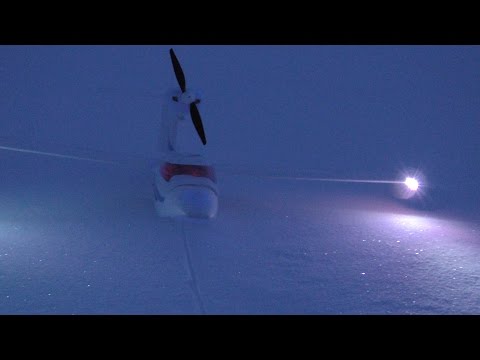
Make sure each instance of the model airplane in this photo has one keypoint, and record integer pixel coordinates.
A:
(185, 183)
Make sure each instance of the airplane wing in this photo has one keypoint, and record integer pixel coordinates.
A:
(142, 161)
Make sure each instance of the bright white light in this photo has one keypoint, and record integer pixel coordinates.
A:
(411, 183)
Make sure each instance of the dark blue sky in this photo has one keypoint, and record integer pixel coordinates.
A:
(353, 111)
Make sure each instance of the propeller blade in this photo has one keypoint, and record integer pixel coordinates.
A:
(178, 71)
(197, 122)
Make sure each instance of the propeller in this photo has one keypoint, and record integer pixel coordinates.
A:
(194, 113)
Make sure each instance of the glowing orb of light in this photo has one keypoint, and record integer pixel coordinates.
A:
(411, 183)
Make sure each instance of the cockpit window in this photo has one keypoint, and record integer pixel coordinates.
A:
(169, 170)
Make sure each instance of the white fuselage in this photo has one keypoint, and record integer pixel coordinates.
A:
(182, 194)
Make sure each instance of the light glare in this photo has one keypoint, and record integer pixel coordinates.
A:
(411, 183)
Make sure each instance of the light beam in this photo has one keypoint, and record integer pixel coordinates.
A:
(54, 155)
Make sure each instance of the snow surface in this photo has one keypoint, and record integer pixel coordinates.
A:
(89, 242)
(80, 237)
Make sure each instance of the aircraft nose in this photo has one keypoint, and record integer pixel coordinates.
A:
(198, 202)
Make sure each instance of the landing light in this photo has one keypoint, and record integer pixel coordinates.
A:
(411, 183)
